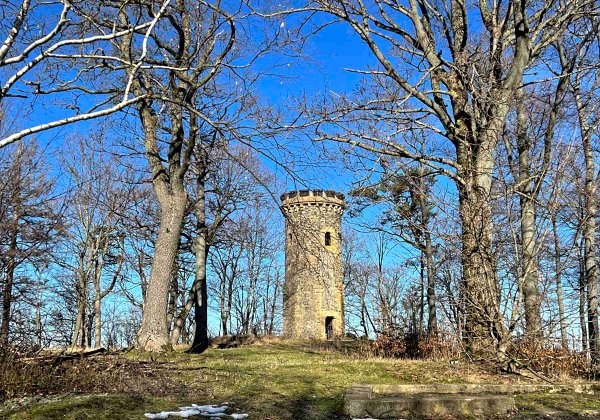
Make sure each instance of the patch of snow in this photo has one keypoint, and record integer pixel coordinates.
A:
(167, 414)
(211, 411)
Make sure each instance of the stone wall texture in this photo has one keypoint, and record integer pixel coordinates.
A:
(313, 294)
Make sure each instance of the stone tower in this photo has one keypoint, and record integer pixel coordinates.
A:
(313, 294)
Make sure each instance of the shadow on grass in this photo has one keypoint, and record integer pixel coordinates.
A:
(83, 407)
(311, 404)
(558, 406)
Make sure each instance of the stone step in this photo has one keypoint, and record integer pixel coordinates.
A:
(401, 389)
(430, 405)
(445, 400)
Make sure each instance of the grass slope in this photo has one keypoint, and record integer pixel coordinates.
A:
(271, 380)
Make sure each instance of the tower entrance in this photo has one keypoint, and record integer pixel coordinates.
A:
(329, 327)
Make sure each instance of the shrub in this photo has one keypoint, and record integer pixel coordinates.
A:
(413, 345)
(56, 374)
(550, 360)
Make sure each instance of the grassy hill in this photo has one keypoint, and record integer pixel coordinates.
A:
(271, 379)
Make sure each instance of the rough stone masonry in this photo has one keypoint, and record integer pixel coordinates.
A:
(313, 294)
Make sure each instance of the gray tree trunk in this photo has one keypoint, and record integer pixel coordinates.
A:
(98, 266)
(529, 266)
(97, 317)
(200, 341)
(589, 238)
(8, 284)
(559, 289)
(432, 328)
(78, 339)
(484, 331)
(582, 305)
(153, 334)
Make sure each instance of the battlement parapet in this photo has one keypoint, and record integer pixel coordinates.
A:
(312, 197)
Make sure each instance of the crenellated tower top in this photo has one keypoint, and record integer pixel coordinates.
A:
(325, 198)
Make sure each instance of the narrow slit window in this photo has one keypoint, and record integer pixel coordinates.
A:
(327, 238)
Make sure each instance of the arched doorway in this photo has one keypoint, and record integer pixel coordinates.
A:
(329, 327)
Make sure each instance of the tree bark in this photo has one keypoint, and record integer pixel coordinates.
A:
(153, 334)
(582, 305)
(200, 342)
(432, 328)
(224, 313)
(99, 254)
(10, 276)
(529, 267)
(97, 317)
(559, 289)
(485, 332)
(78, 338)
(179, 324)
(589, 238)
(172, 307)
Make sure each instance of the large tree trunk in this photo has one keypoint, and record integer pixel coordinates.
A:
(200, 342)
(153, 334)
(485, 332)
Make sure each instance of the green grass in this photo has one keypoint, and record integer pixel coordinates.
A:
(92, 407)
(272, 380)
(569, 406)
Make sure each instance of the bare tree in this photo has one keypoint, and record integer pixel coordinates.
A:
(221, 187)
(197, 39)
(245, 260)
(96, 241)
(39, 37)
(437, 70)
(408, 217)
(584, 86)
(30, 220)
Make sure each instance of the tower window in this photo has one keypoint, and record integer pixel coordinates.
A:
(327, 238)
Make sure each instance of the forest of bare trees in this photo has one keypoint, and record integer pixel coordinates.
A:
(143, 148)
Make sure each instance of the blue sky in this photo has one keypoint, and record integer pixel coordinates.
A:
(329, 53)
